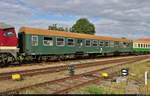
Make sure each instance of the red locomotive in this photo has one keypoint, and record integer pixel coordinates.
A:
(8, 43)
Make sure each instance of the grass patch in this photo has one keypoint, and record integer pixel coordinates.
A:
(94, 89)
(138, 70)
(28, 92)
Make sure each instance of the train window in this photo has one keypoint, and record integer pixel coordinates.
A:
(106, 43)
(48, 41)
(144, 45)
(8, 34)
(116, 43)
(34, 40)
(70, 42)
(135, 45)
(121, 44)
(124, 44)
(60, 42)
(87, 43)
(111, 43)
(101, 43)
(95, 43)
(128, 45)
(138, 45)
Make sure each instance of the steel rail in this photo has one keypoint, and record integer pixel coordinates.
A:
(68, 78)
(7, 75)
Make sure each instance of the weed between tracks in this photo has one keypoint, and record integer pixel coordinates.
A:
(113, 88)
(135, 71)
(94, 89)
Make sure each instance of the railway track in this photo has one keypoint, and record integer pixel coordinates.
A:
(66, 84)
(7, 75)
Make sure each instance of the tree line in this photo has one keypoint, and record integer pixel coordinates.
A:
(81, 26)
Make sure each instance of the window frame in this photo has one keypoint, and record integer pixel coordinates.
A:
(93, 43)
(139, 45)
(63, 41)
(73, 42)
(85, 43)
(48, 45)
(108, 43)
(113, 43)
(37, 40)
(5, 33)
(102, 43)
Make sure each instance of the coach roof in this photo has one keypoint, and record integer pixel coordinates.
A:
(139, 41)
(5, 26)
(38, 31)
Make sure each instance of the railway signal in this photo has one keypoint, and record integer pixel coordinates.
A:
(71, 70)
(124, 72)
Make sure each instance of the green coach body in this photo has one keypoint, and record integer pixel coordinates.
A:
(44, 42)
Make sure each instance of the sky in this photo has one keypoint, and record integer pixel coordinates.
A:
(115, 18)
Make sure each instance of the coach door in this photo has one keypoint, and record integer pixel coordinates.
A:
(79, 44)
(101, 45)
(34, 44)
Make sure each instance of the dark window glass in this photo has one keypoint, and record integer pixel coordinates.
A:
(88, 43)
(101, 43)
(138, 45)
(60, 42)
(146, 46)
(95, 43)
(141, 45)
(34, 40)
(70, 42)
(106, 43)
(48, 41)
(8, 34)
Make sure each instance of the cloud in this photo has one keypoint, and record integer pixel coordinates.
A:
(42, 23)
(118, 18)
(12, 10)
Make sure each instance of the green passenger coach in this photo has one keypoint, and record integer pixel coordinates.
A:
(41, 42)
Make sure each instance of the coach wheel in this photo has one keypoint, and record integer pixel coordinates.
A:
(4, 60)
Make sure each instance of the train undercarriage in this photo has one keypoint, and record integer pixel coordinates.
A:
(7, 58)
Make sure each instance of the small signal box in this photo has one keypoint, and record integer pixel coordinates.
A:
(16, 77)
(124, 72)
